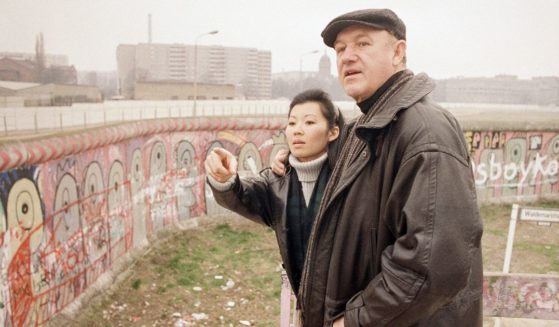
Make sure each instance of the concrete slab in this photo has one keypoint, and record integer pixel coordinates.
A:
(519, 322)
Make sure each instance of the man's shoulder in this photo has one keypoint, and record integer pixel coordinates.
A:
(430, 113)
(426, 122)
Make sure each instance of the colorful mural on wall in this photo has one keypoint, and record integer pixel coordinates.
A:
(66, 220)
(514, 164)
(526, 296)
(71, 206)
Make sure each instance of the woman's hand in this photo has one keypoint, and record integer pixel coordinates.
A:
(221, 165)
(278, 165)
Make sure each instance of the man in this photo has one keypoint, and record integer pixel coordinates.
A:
(397, 238)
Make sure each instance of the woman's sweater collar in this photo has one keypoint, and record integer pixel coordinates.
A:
(308, 171)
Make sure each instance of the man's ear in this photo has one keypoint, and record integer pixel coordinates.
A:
(400, 47)
(333, 133)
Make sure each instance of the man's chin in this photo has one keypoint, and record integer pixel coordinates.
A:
(353, 93)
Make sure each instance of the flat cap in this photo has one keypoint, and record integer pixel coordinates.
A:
(384, 19)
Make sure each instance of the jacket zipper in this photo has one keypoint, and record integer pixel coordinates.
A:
(303, 285)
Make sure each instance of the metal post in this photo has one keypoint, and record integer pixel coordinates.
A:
(35, 122)
(195, 75)
(84, 119)
(105, 117)
(301, 68)
(510, 238)
(5, 126)
(196, 66)
(60, 116)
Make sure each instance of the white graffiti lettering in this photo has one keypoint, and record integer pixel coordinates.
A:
(523, 172)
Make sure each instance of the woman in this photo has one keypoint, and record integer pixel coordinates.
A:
(288, 203)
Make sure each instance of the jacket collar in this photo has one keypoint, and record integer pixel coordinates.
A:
(417, 88)
(368, 103)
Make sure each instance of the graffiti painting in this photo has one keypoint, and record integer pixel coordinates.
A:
(511, 164)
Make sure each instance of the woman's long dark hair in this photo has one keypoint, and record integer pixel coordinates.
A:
(329, 110)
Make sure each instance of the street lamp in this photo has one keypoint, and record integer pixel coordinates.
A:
(196, 66)
(301, 67)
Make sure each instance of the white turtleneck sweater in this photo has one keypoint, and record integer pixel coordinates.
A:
(308, 172)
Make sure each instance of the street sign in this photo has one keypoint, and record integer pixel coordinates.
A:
(540, 215)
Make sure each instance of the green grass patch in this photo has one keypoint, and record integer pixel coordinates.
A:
(550, 252)
(247, 254)
(231, 237)
(136, 283)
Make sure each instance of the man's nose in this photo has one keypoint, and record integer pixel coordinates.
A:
(347, 55)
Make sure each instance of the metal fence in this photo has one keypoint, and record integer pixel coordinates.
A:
(17, 120)
(83, 115)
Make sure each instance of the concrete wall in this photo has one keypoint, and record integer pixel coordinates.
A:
(510, 165)
(521, 295)
(72, 206)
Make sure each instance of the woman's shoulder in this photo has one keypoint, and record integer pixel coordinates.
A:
(273, 177)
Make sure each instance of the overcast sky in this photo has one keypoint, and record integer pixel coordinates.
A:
(445, 38)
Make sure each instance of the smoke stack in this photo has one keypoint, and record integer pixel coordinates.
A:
(149, 28)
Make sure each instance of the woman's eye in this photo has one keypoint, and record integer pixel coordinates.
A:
(291, 123)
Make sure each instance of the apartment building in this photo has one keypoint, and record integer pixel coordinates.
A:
(248, 69)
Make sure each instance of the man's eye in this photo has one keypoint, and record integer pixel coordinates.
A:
(291, 123)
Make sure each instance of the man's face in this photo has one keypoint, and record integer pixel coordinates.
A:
(365, 58)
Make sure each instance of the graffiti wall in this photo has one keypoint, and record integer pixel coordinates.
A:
(71, 206)
(64, 222)
(511, 165)
(526, 296)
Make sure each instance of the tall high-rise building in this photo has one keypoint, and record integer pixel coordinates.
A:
(248, 69)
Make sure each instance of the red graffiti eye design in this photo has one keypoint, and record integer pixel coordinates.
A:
(24, 209)
(65, 197)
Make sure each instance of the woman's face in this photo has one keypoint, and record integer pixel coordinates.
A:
(307, 131)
